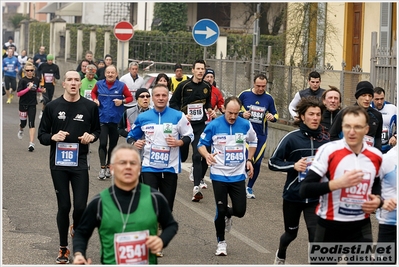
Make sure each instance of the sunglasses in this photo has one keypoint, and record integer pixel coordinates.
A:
(144, 96)
(29, 70)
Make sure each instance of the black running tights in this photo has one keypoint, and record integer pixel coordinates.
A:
(107, 130)
(79, 180)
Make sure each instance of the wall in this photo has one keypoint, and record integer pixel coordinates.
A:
(276, 132)
(34, 8)
(371, 23)
(336, 18)
(237, 18)
(93, 10)
(334, 49)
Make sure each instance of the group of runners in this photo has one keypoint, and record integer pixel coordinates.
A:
(228, 136)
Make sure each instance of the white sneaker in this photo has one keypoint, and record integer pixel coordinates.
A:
(31, 147)
(228, 223)
(278, 261)
(107, 172)
(250, 193)
(20, 134)
(221, 249)
(191, 176)
(41, 115)
(101, 174)
(197, 195)
(203, 185)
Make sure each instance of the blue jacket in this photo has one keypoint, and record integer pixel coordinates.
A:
(12, 64)
(109, 113)
(292, 147)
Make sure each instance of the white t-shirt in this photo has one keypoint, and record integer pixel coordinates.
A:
(133, 86)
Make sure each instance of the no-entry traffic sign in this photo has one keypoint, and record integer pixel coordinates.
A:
(123, 31)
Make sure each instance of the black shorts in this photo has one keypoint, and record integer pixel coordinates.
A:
(10, 83)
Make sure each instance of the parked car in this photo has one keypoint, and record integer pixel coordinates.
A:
(149, 79)
(149, 83)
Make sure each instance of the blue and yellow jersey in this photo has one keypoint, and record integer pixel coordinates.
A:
(259, 106)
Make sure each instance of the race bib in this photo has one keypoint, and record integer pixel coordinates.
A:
(66, 154)
(23, 115)
(48, 78)
(10, 67)
(239, 137)
(233, 155)
(309, 161)
(384, 135)
(159, 156)
(88, 94)
(130, 248)
(196, 111)
(353, 197)
(257, 114)
(208, 117)
(167, 128)
(369, 140)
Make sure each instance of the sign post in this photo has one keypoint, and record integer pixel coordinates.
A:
(205, 33)
(123, 31)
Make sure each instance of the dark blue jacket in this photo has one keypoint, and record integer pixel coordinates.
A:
(291, 148)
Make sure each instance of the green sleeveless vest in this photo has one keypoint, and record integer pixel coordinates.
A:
(143, 218)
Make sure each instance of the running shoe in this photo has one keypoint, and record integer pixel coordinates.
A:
(203, 185)
(159, 254)
(250, 193)
(197, 195)
(71, 231)
(107, 172)
(228, 223)
(20, 134)
(101, 174)
(9, 100)
(63, 256)
(41, 115)
(278, 261)
(11, 96)
(221, 249)
(191, 176)
(31, 147)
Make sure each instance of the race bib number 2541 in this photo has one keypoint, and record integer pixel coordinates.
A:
(130, 248)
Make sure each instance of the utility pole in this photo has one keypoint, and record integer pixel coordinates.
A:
(255, 42)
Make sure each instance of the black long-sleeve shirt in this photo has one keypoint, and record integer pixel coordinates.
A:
(76, 118)
(92, 216)
(51, 69)
(190, 92)
(375, 127)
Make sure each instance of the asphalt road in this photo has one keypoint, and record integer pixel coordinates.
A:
(30, 235)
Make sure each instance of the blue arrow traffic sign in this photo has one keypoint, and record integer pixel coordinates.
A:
(205, 32)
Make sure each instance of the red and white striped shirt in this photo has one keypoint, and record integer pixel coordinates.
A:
(332, 160)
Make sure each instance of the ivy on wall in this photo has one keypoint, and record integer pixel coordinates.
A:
(159, 46)
(38, 36)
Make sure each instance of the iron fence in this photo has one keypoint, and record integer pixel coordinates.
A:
(233, 76)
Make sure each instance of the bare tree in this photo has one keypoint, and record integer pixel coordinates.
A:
(308, 32)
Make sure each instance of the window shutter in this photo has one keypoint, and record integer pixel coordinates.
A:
(385, 25)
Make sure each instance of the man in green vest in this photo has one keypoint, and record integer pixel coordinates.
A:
(89, 81)
(126, 215)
